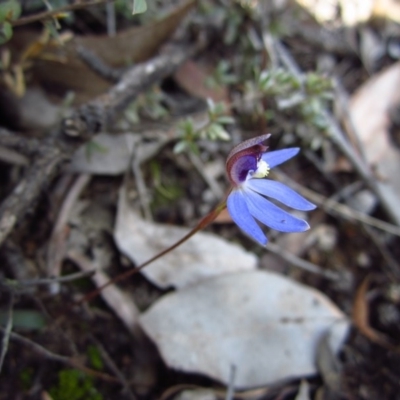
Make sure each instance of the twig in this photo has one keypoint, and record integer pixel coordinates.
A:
(7, 331)
(52, 13)
(99, 66)
(98, 114)
(12, 157)
(27, 146)
(342, 99)
(303, 264)
(211, 182)
(62, 359)
(30, 188)
(57, 243)
(48, 281)
(334, 208)
(113, 367)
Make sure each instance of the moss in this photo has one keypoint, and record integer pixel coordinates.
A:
(74, 385)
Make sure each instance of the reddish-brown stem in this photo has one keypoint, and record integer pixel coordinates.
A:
(203, 223)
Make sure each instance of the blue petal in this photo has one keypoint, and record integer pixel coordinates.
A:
(240, 214)
(274, 158)
(273, 216)
(280, 192)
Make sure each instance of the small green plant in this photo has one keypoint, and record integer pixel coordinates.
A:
(222, 75)
(149, 105)
(213, 129)
(94, 357)
(167, 190)
(9, 11)
(307, 97)
(74, 385)
(26, 377)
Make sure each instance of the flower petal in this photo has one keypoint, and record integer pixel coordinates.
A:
(273, 216)
(274, 158)
(240, 214)
(280, 192)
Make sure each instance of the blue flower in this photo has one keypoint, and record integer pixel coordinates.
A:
(247, 166)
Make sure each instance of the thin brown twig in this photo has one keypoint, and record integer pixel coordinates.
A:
(52, 13)
(300, 263)
(113, 367)
(335, 208)
(47, 281)
(57, 243)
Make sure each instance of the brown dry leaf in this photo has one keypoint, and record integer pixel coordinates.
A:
(64, 71)
(361, 316)
(192, 77)
(369, 109)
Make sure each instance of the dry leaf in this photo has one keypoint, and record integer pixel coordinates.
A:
(60, 69)
(369, 110)
(264, 324)
(361, 316)
(193, 78)
(202, 256)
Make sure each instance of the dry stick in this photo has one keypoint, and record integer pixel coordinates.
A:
(27, 146)
(62, 359)
(57, 243)
(12, 157)
(300, 263)
(14, 284)
(52, 13)
(29, 189)
(337, 136)
(334, 208)
(211, 182)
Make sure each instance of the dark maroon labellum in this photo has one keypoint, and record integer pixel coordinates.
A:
(244, 157)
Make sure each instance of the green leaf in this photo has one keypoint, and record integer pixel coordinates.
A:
(216, 131)
(9, 10)
(25, 319)
(139, 7)
(94, 356)
(5, 32)
(180, 147)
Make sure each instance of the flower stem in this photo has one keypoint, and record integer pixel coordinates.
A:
(203, 223)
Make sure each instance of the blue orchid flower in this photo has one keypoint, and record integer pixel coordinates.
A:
(248, 165)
